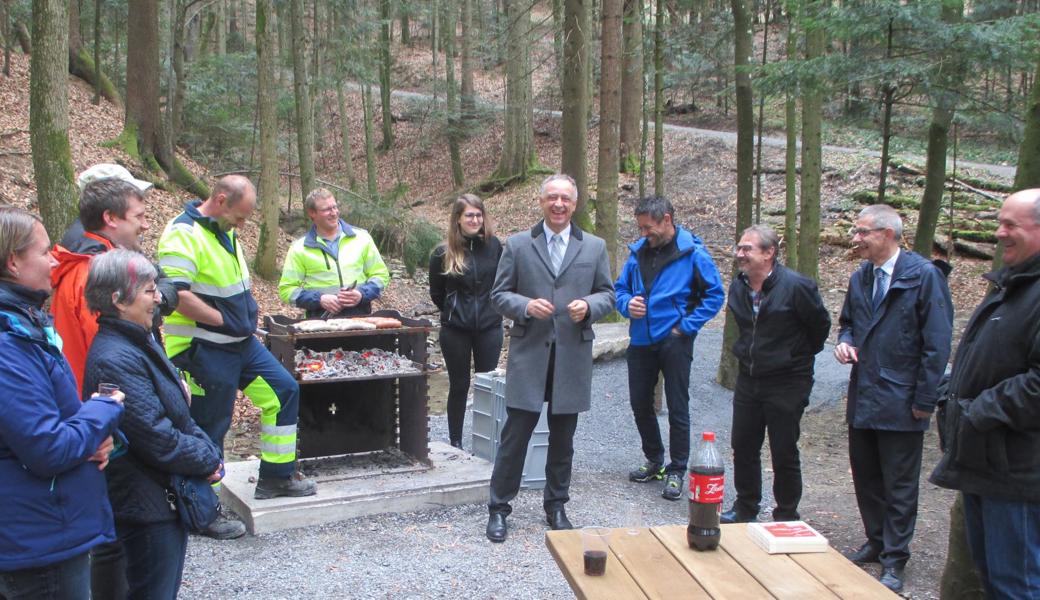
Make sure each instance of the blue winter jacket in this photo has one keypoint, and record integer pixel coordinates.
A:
(902, 348)
(686, 293)
(163, 439)
(53, 501)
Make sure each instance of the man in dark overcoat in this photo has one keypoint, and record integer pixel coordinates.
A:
(896, 326)
(554, 282)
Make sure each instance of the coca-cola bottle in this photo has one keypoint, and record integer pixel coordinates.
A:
(707, 484)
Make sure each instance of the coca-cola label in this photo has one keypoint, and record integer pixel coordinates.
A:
(707, 489)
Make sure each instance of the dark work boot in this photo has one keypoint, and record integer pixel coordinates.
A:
(294, 486)
(224, 527)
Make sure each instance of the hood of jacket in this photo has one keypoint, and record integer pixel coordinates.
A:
(70, 258)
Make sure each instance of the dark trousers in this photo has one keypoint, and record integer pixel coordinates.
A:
(886, 469)
(223, 370)
(108, 571)
(154, 558)
(65, 580)
(774, 405)
(671, 357)
(509, 462)
(458, 346)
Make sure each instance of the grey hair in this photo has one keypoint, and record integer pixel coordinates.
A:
(655, 206)
(116, 276)
(559, 177)
(315, 195)
(16, 234)
(885, 217)
(767, 238)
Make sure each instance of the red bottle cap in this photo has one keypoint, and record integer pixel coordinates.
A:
(709, 436)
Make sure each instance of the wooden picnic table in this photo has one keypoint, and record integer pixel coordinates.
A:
(657, 563)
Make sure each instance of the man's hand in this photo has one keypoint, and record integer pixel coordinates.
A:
(349, 298)
(216, 476)
(845, 353)
(100, 455)
(577, 309)
(331, 303)
(637, 307)
(920, 415)
(540, 309)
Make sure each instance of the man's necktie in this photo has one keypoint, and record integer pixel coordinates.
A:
(556, 252)
(879, 293)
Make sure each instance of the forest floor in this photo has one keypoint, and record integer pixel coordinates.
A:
(699, 179)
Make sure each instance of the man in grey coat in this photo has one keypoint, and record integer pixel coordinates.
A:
(553, 282)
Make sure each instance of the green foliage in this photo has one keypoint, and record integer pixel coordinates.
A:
(397, 232)
(219, 109)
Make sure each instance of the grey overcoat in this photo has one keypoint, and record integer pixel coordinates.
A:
(524, 273)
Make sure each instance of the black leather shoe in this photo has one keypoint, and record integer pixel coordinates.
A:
(779, 515)
(892, 578)
(865, 554)
(736, 516)
(456, 444)
(557, 519)
(496, 528)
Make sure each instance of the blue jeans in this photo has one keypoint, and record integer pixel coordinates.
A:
(671, 357)
(65, 580)
(1004, 539)
(154, 558)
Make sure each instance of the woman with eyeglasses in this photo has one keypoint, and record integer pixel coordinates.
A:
(162, 437)
(52, 446)
(462, 273)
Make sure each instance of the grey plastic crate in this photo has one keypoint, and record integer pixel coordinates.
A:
(489, 416)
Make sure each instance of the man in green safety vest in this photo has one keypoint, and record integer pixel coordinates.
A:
(210, 337)
(334, 270)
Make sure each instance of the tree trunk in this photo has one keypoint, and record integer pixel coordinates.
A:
(49, 117)
(468, 97)
(143, 119)
(742, 52)
(1028, 173)
(609, 128)
(934, 181)
(220, 28)
(5, 22)
(812, 153)
(96, 100)
(558, 36)
(266, 63)
(761, 117)
(370, 147)
(887, 100)
(384, 74)
(301, 89)
(632, 87)
(659, 100)
(573, 125)
(452, 94)
(406, 25)
(518, 155)
(791, 152)
(344, 127)
(81, 61)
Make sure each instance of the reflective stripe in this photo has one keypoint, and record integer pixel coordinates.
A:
(219, 291)
(185, 227)
(326, 290)
(277, 430)
(292, 274)
(266, 447)
(295, 295)
(178, 262)
(191, 331)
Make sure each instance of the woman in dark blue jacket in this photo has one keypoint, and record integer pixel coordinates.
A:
(462, 272)
(162, 437)
(52, 446)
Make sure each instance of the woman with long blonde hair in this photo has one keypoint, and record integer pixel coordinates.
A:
(462, 272)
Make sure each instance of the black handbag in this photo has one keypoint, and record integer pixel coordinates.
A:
(195, 501)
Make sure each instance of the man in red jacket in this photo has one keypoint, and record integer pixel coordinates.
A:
(112, 213)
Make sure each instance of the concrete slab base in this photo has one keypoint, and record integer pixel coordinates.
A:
(454, 477)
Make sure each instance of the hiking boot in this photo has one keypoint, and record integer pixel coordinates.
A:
(672, 486)
(648, 472)
(293, 486)
(224, 527)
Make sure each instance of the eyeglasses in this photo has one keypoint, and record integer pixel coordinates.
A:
(863, 231)
(329, 209)
(745, 248)
(150, 291)
(473, 215)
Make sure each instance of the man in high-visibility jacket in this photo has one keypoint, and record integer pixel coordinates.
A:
(335, 269)
(210, 336)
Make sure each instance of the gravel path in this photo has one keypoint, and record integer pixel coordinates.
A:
(442, 553)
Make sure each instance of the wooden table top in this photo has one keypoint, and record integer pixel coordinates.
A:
(658, 563)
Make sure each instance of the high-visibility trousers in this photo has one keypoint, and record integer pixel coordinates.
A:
(217, 372)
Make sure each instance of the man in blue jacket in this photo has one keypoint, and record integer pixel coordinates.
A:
(669, 288)
(896, 326)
